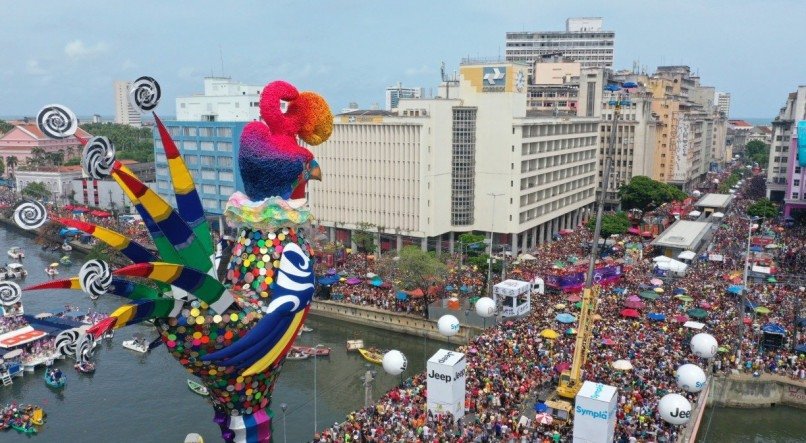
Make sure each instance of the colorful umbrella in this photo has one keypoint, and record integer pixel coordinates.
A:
(680, 318)
(697, 313)
(549, 334)
(562, 366)
(570, 331)
(705, 305)
(772, 280)
(559, 306)
(685, 298)
(735, 289)
(353, 281)
(656, 281)
(630, 313)
(544, 418)
(565, 318)
(649, 295)
(540, 407)
(659, 290)
(633, 298)
(622, 365)
(578, 305)
(634, 304)
(608, 342)
(762, 310)
(574, 298)
(678, 291)
(656, 316)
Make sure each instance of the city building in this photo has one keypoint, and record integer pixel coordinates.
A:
(395, 93)
(25, 141)
(57, 180)
(477, 161)
(723, 102)
(692, 131)
(786, 174)
(223, 100)
(125, 113)
(210, 152)
(583, 41)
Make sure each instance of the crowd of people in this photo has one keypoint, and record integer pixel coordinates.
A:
(510, 361)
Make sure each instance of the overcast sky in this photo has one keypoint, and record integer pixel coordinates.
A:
(70, 52)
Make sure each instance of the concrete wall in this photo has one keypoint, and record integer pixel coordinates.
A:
(742, 391)
(390, 321)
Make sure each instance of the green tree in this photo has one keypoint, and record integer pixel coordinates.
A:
(130, 143)
(363, 238)
(38, 158)
(757, 151)
(2, 167)
(471, 243)
(480, 261)
(5, 126)
(763, 208)
(100, 251)
(12, 163)
(36, 190)
(617, 223)
(644, 193)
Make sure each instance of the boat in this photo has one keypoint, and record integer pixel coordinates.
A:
(371, 355)
(13, 271)
(16, 253)
(38, 417)
(296, 355)
(198, 388)
(65, 260)
(356, 344)
(137, 344)
(66, 247)
(51, 270)
(85, 367)
(316, 351)
(55, 383)
(23, 428)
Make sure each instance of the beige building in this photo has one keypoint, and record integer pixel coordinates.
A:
(125, 114)
(477, 161)
(782, 164)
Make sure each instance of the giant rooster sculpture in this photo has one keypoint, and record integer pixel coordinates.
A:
(233, 335)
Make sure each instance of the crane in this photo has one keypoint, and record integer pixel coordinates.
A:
(571, 379)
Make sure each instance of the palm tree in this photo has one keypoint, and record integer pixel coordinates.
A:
(69, 152)
(12, 162)
(38, 155)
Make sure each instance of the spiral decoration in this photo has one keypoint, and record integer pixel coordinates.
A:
(66, 341)
(84, 349)
(57, 121)
(30, 214)
(95, 278)
(145, 94)
(10, 293)
(98, 157)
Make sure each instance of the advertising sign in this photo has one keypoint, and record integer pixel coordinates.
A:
(446, 381)
(595, 413)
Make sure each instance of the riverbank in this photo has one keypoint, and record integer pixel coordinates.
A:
(390, 321)
(768, 390)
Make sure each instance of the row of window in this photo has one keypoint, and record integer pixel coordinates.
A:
(551, 177)
(192, 131)
(556, 160)
(555, 205)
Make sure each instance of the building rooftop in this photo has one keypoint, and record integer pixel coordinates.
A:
(369, 113)
(683, 234)
(33, 130)
(718, 201)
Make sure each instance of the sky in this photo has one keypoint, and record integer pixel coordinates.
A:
(350, 51)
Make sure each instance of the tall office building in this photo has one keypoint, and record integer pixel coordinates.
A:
(125, 114)
(723, 102)
(477, 161)
(786, 170)
(583, 41)
(395, 93)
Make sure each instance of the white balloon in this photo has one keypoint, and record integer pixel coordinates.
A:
(485, 307)
(704, 345)
(690, 378)
(394, 362)
(448, 325)
(674, 409)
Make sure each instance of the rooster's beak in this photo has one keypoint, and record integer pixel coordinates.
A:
(316, 171)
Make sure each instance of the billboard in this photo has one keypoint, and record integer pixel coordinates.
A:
(574, 279)
(446, 382)
(595, 413)
(514, 296)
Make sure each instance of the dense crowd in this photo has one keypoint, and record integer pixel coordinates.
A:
(509, 361)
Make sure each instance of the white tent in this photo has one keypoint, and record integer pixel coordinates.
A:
(527, 257)
(687, 255)
(694, 214)
(661, 259)
(717, 215)
(673, 266)
(694, 325)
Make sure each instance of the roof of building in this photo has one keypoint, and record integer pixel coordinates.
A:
(740, 123)
(33, 129)
(714, 201)
(683, 234)
(369, 112)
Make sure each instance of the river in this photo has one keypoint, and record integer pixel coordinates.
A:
(781, 424)
(144, 398)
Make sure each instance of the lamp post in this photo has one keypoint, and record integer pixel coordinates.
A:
(743, 295)
(315, 409)
(492, 239)
(284, 406)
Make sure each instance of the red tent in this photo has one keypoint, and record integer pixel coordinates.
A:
(630, 313)
(101, 214)
(69, 207)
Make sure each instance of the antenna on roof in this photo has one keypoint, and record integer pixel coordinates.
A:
(442, 72)
(221, 55)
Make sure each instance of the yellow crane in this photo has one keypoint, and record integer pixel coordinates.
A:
(560, 402)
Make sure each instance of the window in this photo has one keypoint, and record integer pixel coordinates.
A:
(192, 160)
(207, 160)
(226, 190)
(208, 189)
(224, 132)
(225, 162)
(206, 132)
(208, 174)
(225, 176)
(224, 146)
(206, 146)
(188, 131)
(795, 196)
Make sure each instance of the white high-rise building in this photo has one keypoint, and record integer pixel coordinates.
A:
(474, 162)
(583, 41)
(223, 100)
(396, 92)
(125, 114)
(723, 102)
